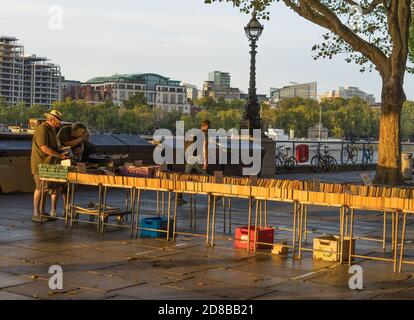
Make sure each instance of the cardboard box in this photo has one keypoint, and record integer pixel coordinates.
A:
(327, 248)
(280, 248)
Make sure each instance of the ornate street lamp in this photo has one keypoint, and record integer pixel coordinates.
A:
(251, 114)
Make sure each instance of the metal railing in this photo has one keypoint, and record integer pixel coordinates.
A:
(335, 148)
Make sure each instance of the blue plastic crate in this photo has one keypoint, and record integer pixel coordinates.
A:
(159, 223)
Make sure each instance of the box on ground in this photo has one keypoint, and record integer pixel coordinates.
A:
(327, 248)
(264, 235)
(156, 223)
(280, 248)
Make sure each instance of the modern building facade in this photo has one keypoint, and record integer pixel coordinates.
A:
(220, 80)
(27, 78)
(348, 93)
(159, 91)
(301, 90)
(218, 87)
(192, 92)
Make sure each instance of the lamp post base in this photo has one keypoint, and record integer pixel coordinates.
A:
(268, 162)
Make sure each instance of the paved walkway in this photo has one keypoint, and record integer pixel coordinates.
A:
(113, 266)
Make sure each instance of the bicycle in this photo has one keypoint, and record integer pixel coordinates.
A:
(367, 156)
(349, 153)
(284, 161)
(323, 162)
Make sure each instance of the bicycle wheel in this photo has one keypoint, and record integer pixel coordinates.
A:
(278, 164)
(354, 155)
(332, 164)
(317, 164)
(344, 155)
(291, 164)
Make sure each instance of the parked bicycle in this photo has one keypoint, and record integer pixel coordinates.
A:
(284, 161)
(367, 156)
(349, 153)
(323, 162)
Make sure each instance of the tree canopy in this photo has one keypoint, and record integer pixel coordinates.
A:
(375, 35)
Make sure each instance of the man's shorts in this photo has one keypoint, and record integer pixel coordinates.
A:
(50, 187)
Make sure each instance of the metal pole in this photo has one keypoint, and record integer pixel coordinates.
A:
(249, 223)
(208, 219)
(169, 215)
(213, 223)
(175, 215)
(137, 213)
(402, 241)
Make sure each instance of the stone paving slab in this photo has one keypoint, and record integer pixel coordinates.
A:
(114, 266)
(157, 292)
(40, 290)
(10, 280)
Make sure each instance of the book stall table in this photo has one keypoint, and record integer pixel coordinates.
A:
(102, 211)
(406, 212)
(395, 218)
(391, 202)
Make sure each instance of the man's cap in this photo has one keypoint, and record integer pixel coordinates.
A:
(54, 113)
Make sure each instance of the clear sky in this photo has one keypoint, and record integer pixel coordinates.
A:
(181, 39)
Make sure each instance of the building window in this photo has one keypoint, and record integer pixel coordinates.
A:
(172, 99)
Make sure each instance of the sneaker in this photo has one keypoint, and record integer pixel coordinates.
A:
(50, 217)
(36, 218)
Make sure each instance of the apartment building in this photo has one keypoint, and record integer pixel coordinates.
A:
(302, 90)
(192, 92)
(27, 78)
(348, 93)
(159, 91)
(218, 87)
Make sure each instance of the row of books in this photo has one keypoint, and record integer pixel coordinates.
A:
(368, 197)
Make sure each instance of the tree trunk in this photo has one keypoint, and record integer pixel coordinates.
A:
(389, 149)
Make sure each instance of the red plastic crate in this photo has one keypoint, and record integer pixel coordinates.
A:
(142, 172)
(264, 234)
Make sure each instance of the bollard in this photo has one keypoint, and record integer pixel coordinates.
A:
(407, 165)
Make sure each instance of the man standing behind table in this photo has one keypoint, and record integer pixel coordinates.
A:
(196, 167)
(45, 151)
(74, 136)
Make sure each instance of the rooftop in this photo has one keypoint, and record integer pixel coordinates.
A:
(128, 78)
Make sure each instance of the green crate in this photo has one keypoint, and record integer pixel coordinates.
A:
(51, 171)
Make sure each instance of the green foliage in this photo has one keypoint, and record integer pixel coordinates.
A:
(411, 41)
(139, 119)
(343, 118)
(407, 121)
(135, 101)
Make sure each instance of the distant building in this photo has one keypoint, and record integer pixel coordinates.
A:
(260, 97)
(348, 93)
(159, 91)
(192, 92)
(301, 90)
(25, 78)
(219, 86)
(316, 133)
(220, 80)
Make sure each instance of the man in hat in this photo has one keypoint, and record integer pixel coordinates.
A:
(45, 150)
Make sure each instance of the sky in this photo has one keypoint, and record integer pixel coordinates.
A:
(180, 39)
